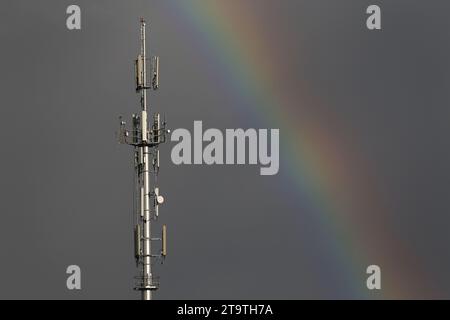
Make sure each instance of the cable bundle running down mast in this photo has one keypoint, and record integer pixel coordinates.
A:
(146, 141)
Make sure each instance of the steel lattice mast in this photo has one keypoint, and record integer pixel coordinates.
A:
(146, 140)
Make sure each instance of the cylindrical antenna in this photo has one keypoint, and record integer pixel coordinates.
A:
(164, 241)
(155, 78)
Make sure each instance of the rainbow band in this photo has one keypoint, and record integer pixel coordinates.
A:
(318, 160)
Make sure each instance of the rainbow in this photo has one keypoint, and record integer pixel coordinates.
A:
(319, 164)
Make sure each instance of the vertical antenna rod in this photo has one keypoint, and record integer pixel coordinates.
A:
(146, 142)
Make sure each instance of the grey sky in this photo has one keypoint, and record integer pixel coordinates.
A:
(66, 184)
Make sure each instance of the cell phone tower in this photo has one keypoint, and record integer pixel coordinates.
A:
(147, 198)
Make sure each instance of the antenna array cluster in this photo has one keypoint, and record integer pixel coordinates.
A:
(146, 139)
